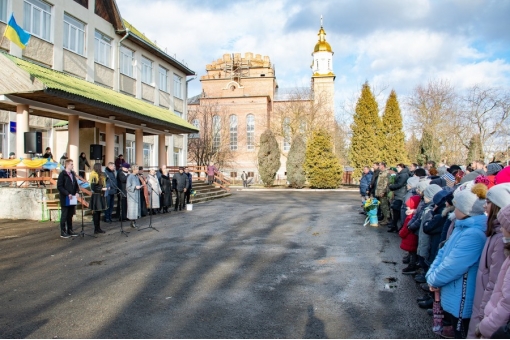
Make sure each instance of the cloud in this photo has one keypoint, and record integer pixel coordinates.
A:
(397, 43)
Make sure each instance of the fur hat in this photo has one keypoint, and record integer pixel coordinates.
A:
(431, 190)
(422, 185)
(471, 201)
(499, 195)
(493, 169)
(503, 176)
(413, 181)
(504, 218)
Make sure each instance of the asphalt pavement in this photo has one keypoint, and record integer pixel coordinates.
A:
(253, 265)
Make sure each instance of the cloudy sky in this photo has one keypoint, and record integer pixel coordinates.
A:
(391, 43)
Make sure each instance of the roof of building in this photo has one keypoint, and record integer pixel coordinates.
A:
(64, 85)
(322, 44)
(141, 39)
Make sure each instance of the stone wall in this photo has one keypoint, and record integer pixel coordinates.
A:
(21, 203)
(103, 75)
(75, 64)
(39, 50)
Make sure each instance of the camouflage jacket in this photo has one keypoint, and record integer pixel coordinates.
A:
(382, 184)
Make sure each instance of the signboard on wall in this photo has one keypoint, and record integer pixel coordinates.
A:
(12, 127)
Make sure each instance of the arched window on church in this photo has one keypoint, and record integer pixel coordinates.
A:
(250, 132)
(286, 134)
(195, 123)
(233, 132)
(216, 130)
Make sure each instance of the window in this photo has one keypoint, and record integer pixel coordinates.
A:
(103, 49)
(251, 174)
(177, 86)
(147, 154)
(3, 145)
(286, 134)
(74, 34)
(146, 70)
(3, 10)
(126, 61)
(178, 113)
(250, 132)
(233, 132)
(163, 79)
(130, 152)
(37, 18)
(233, 174)
(216, 133)
(196, 123)
(177, 156)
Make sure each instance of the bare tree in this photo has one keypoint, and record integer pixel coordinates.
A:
(212, 143)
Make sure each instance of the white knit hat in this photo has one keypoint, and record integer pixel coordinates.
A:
(499, 195)
(471, 201)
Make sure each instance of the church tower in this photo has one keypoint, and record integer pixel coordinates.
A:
(323, 78)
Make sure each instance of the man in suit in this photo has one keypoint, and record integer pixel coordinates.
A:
(67, 185)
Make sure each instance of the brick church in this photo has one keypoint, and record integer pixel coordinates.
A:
(240, 99)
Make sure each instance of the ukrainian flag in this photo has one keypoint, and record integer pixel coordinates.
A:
(16, 34)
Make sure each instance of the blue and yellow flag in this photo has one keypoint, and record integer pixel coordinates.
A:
(16, 34)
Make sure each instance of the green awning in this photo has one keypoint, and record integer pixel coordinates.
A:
(61, 123)
(59, 82)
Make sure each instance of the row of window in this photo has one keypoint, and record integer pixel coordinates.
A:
(37, 21)
(233, 131)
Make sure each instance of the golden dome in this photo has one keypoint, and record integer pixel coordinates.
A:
(322, 44)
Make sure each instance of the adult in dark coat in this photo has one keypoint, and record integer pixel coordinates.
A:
(166, 187)
(187, 194)
(373, 182)
(181, 184)
(111, 184)
(82, 163)
(434, 227)
(97, 200)
(67, 186)
(143, 201)
(121, 184)
(399, 189)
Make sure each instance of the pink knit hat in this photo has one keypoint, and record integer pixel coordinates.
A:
(503, 176)
(504, 218)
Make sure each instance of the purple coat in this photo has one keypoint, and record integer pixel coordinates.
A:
(497, 310)
(492, 259)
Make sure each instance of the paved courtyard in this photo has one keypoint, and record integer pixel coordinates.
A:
(257, 264)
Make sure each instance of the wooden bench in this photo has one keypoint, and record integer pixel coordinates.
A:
(52, 205)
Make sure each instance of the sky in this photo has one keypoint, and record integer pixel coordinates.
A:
(392, 44)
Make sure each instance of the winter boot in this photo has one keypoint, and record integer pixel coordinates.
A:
(405, 259)
(411, 268)
(63, 232)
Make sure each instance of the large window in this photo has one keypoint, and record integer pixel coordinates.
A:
(163, 79)
(3, 140)
(250, 132)
(286, 134)
(74, 34)
(178, 113)
(103, 49)
(3, 10)
(233, 132)
(126, 61)
(216, 122)
(177, 86)
(147, 154)
(196, 123)
(177, 156)
(37, 18)
(130, 152)
(146, 70)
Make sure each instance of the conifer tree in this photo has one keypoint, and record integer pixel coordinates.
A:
(366, 132)
(268, 157)
(295, 161)
(429, 150)
(323, 170)
(393, 149)
(475, 150)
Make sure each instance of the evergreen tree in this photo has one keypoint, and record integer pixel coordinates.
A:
(323, 170)
(295, 160)
(393, 148)
(366, 132)
(429, 148)
(475, 150)
(268, 157)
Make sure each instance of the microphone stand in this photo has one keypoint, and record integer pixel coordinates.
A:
(150, 215)
(120, 193)
(82, 233)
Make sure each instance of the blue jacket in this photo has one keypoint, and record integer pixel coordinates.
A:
(364, 183)
(460, 254)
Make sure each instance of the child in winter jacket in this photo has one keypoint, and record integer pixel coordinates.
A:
(493, 254)
(454, 269)
(409, 239)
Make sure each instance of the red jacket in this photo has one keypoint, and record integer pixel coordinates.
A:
(409, 239)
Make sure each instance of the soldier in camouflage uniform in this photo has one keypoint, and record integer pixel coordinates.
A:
(381, 192)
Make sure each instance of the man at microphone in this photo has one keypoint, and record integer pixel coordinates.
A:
(67, 186)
